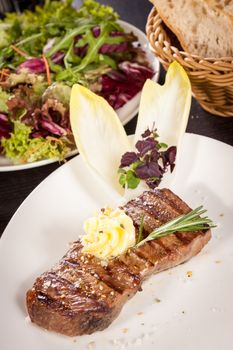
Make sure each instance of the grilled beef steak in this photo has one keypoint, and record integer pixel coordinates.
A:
(81, 295)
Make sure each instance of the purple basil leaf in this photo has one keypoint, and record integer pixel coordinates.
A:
(143, 146)
(171, 154)
(96, 31)
(153, 183)
(172, 166)
(128, 158)
(169, 157)
(146, 133)
(145, 171)
(34, 65)
(154, 155)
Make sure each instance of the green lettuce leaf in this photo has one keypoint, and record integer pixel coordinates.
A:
(3, 99)
(91, 8)
(20, 148)
(5, 39)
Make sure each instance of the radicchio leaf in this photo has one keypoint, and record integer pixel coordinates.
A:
(33, 65)
(81, 51)
(137, 70)
(3, 118)
(58, 57)
(96, 31)
(53, 127)
(5, 126)
(50, 118)
(113, 48)
(77, 38)
(115, 33)
(42, 133)
(118, 87)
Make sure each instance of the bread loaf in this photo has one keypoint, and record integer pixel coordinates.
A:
(222, 5)
(203, 27)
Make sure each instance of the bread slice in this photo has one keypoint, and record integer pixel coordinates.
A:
(201, 28)
(225, 6)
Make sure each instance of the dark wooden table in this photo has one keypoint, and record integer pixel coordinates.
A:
(16, 186)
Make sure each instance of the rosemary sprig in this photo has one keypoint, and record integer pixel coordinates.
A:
(183, 223)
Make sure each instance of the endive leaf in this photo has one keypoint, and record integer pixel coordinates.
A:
(166, 107)
(99, 134)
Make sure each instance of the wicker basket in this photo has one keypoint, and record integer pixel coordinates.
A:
(211, 79)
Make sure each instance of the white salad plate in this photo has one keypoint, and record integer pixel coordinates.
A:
(125, 113)
(173, 311)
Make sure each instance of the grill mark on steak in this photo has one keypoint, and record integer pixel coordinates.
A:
(80, 295)
(60, 291)
(125, 277)
(156, 207)
(164, 212)
(144, 204)
(134, 262)
(173, 200)
(136, 211)
(90, 284)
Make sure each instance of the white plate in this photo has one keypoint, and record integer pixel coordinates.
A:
(194, 312)
(125, 113)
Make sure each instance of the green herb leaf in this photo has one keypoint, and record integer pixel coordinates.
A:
(131, 180)
(184, 223)
(66, 41)
(162, 145)
(122, 180)
(128, 179)
(135, 164)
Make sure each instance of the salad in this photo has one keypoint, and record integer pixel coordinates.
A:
(42, 54)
